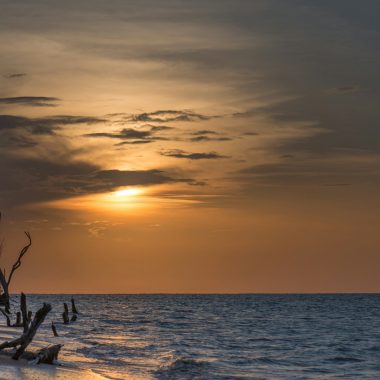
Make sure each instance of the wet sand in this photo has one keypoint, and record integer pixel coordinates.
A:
(21, 370)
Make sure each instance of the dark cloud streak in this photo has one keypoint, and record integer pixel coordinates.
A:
(177, 153)
(33, 101)
(45, 125)
(168, 116)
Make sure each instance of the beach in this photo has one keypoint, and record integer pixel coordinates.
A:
(21, 370)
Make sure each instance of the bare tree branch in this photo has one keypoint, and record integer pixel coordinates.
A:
(6, 316)
(17, 264)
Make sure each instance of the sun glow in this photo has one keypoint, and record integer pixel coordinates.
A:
(130, 192)
(125, 199)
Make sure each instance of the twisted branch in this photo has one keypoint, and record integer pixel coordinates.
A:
(17, 264)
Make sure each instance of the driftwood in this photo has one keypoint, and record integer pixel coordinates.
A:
(29, 334)
(65, 314)
(47, 355)
(54, 329)
(73, 307)
(24, 316)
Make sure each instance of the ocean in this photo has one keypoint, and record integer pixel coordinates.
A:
(217, 336)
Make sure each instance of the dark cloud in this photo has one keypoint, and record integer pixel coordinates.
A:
(135, 142)
(134, 136)
(45, 125)
(116, 178)
(126, 133)
(347, 88)
(69, 119)
(9, 140)
(288, 156)
(14, 75)
(208, 135)
(208, 138)
(204, 132)
(167, 116)
(177, 153)
(28, 179)
(34, 101)
(158, 128)
(250, 134)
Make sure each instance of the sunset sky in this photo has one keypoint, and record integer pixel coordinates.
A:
(191, 146)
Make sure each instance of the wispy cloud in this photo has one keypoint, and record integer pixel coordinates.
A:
(44, 125)
(33, 101)
(177, 153)
(133, 135)
(207, 135)
(14, 75)
(44, 179)
(167, 116)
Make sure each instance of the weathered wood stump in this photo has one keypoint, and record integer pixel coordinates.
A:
(48, 355)
(65, 314)
(54, 329)
(73, 307)
(24, 312)
(18, 319)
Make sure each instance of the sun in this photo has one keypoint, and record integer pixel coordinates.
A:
(130, 192)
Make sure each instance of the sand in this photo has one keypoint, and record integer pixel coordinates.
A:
(21, 370)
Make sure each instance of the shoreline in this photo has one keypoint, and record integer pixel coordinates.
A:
(22, 370)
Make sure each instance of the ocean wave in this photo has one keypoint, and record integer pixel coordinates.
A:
(227, 337)
(183, 368)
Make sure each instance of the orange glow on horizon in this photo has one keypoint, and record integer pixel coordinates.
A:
(128, 199)
(129, 192)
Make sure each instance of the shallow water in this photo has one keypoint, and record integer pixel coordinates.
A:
(219, 336)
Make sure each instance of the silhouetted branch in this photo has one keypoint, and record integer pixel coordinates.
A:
(7, 317)
(17, 264)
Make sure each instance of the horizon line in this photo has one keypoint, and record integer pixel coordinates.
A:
(211, 293)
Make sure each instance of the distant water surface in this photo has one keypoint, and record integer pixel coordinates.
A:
(219, 336)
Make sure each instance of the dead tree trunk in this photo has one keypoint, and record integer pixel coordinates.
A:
(24, 311)
(27, 336)
(7, 317)
(65, 314)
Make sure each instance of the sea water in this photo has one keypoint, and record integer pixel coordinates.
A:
(217, 336)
